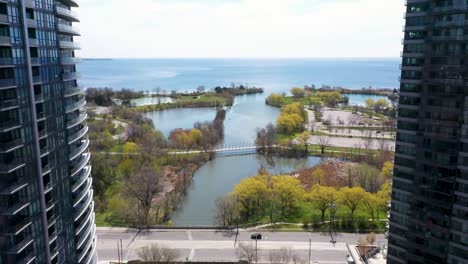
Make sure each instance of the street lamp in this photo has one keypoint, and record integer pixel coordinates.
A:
(256, 237)
(332, 218)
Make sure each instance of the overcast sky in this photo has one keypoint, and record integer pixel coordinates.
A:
(240, 28)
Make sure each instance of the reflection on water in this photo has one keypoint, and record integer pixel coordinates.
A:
(218, 177)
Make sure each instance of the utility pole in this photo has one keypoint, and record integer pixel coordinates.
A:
(310, 246)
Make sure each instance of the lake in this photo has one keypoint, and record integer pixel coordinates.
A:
(218, 177)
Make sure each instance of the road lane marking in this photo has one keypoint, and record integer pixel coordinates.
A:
(192, 254)
(189, 235)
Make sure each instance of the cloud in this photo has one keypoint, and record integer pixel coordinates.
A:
(241, 28)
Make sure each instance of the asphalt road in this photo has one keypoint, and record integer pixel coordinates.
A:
(200, 245)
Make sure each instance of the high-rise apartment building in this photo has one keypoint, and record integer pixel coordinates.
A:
(429, 210)
(46, 198)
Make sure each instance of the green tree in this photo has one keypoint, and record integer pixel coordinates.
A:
(288, 192)
(351, 198)
(370, 103)
(387, 170)
(275, 99)
(251, 194)
(298, 92)
(322, 197)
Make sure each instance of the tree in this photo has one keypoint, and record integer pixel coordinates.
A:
(156, 254)
(143, 186)
(275, 99)
(387, 170)
(266, 137)
(304, 140)
(201, 89)
(368, 177)
(282, 256)
(129, 148)
(246, 252)
(227, 211)
(371, 238)
(381, 104)
(322, 197)
(351, 198)
(289, 123)
(371, 203)
(370, 103)
(323, 142)
(288, 192)
(318, 176)
(298, 92)
(251, 194)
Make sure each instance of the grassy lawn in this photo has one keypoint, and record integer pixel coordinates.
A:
(105, 219)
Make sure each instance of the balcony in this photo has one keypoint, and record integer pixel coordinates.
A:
(9, 125)
(68, 76)
(6, 62)
(81, 208)
(6, 147)
(7, 84)
(454, 8)
(72, 91)
(46, 169)
(82, 177)
(15, 208)
(18, 248)
(13, 188)
(69, 60)
(39, 98)
(37, 79)
(42, 133)
(8, 104)
(69, 45)
(80, 164)
(76, 105)
(83, 193)
(5, 41)
(67, 14)
(85, 218)
(4, 19)
(68, 29)
(31, 23)
(33, 42)
(30, 3)
(79, 150)
(11, 166)
(87, 237)
(35, 61)
(72, 3)
(91, 255)
(82, 132)
(77, 120)
(20, 226)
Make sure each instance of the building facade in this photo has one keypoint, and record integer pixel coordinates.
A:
(429, 210)
(46, 197)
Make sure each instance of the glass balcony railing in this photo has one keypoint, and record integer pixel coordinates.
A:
(82, 193)
(79, 150)
(10, 145)
(81, 178)
(68, 29)
(77, 120)
(7, 104)
(69, 45)
(12, 188)
(85, 204)
(9, 125)
(11, 166)
(72, 3)
(67, 14)
(5, 40)
(79, 165)
(82, 132)
(75, 106)
(69, 60)
(31, 23)
(33, 42)
(68, 76)
(6, 62)
(7, 83)
(72, 91)
(15, 208)
(22, 245)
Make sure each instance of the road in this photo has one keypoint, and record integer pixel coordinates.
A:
(201, 245)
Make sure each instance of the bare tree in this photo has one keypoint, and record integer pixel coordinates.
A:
(201, 89)
(227, 211)
(284, 256)
(246, 252)
(323, 142)
(143, 186)
(156, 254)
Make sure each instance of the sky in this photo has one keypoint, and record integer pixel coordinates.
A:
(240, 28)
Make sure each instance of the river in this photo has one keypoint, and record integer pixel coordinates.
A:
(218, 177)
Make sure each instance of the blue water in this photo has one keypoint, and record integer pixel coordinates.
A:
(275, 75)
